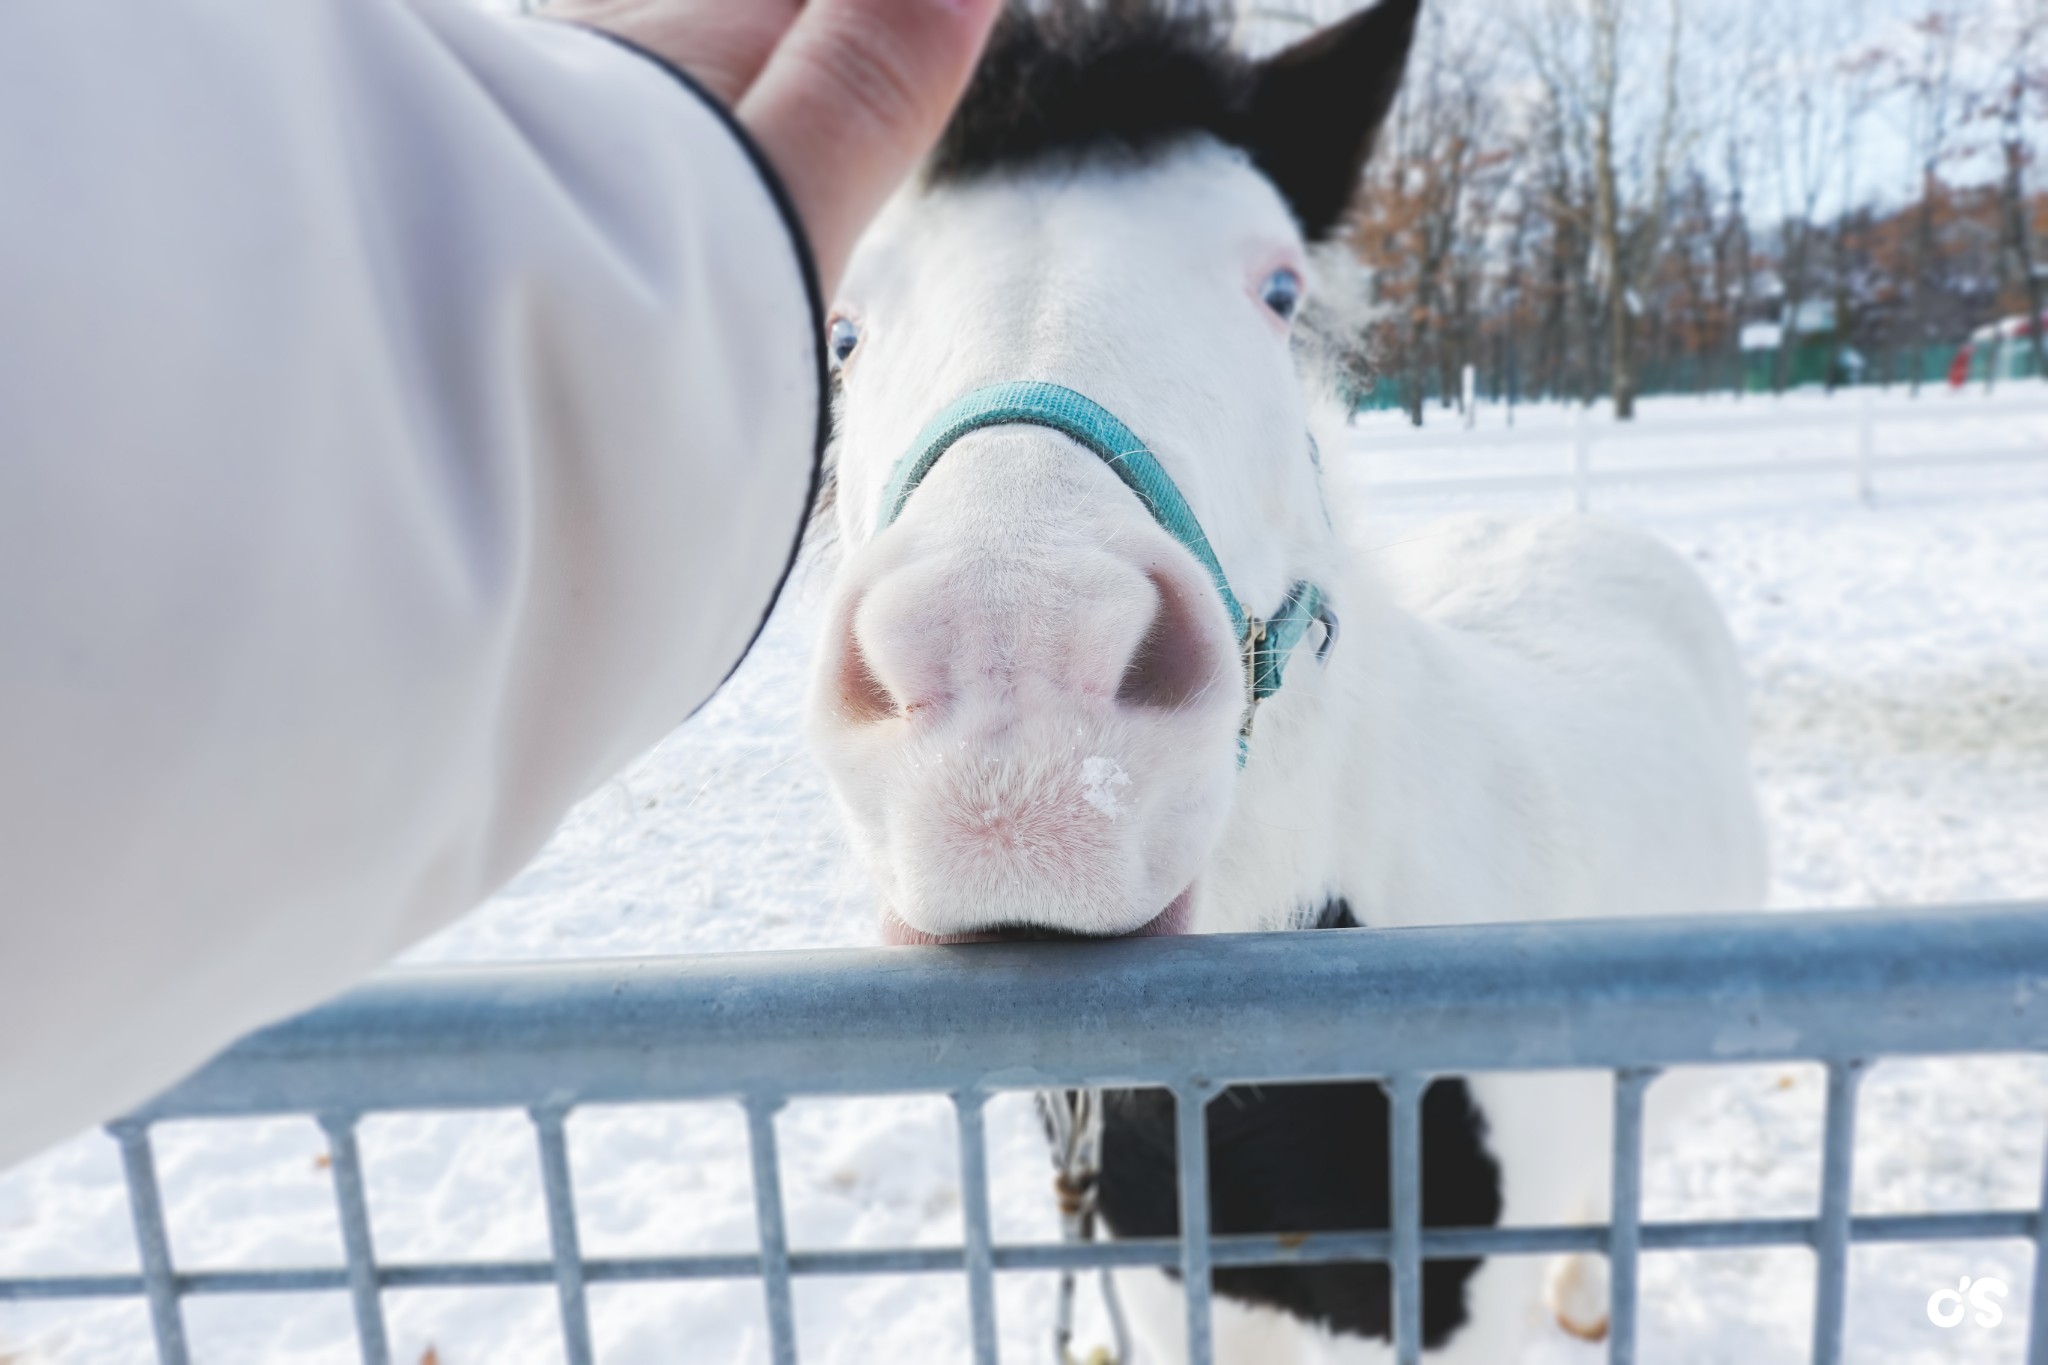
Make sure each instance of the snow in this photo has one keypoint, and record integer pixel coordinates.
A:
(1899, 655)
(1100, 778)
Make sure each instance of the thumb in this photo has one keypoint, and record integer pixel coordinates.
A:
(855, 94)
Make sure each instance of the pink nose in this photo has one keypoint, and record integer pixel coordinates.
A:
(1104, 630)
(1026, 698)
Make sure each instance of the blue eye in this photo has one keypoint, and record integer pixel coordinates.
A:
(1282, 293)
(841, 336)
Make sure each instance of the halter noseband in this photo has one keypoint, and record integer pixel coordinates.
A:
(1264, 645)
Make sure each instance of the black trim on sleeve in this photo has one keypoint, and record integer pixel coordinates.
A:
(807, 264)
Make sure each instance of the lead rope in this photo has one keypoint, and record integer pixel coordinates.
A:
(1073, 1123)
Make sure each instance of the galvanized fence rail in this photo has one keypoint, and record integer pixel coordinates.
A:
(1193, 1015)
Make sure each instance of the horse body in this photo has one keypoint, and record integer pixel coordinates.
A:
(1028, 697)
(1534, 719)
(1538, 719)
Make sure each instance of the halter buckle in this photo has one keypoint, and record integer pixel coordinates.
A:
(1254, 645)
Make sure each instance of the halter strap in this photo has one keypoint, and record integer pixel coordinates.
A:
(1265, 645)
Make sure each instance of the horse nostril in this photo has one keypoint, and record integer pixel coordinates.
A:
(862, 697)
(1170, 665)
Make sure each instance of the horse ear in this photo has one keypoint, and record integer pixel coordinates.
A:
(1316, 106)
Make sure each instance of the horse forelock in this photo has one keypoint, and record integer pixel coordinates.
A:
(1117, 78)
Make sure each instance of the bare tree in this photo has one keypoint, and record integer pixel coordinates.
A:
(1432, 192)
(2008, 106)
(1859, 69)
(1618, 92)
(1818, 93)
(1926, 75)
(1735, 113)
(1592, 194)
(1561, 187)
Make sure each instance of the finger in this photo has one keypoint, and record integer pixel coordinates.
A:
(723, 43)
(851, 100)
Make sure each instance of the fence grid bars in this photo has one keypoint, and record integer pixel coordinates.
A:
(979, 1248)
(1191, 1145)
(345, 1164)
(548, 1121)
(1192, 1015)
(1624, 1231)
(770, 1228)
(2037, 1319)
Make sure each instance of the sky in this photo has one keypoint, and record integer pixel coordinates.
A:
(1804, 42)
(1885, 169)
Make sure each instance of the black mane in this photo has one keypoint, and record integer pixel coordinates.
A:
(1133, 78)
(1125, 78)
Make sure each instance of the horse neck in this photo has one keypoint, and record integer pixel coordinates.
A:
(1319, 796)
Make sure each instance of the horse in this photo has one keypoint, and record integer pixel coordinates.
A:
(1098, 656)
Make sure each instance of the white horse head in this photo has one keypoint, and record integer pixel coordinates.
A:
(1031, 691)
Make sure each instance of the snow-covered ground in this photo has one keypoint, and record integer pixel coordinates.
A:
(1900, 661)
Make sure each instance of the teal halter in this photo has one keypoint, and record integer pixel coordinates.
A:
(1264, 644)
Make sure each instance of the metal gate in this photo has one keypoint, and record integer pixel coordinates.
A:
(1192, 1015)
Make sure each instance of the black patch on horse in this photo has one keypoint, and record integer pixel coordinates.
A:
(1336, 914)
(1113, 78)
(1132, 79)
(1308, 1158)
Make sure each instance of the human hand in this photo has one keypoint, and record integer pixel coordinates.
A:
(843, 96)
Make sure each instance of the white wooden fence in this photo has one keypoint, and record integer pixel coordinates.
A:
(1580, 470)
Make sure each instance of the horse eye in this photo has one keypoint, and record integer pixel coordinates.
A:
(841, 336)
(1282, 293)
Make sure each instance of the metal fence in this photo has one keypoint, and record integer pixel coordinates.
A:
(1399, 1006)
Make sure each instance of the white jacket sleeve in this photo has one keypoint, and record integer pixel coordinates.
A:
(407, 415)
